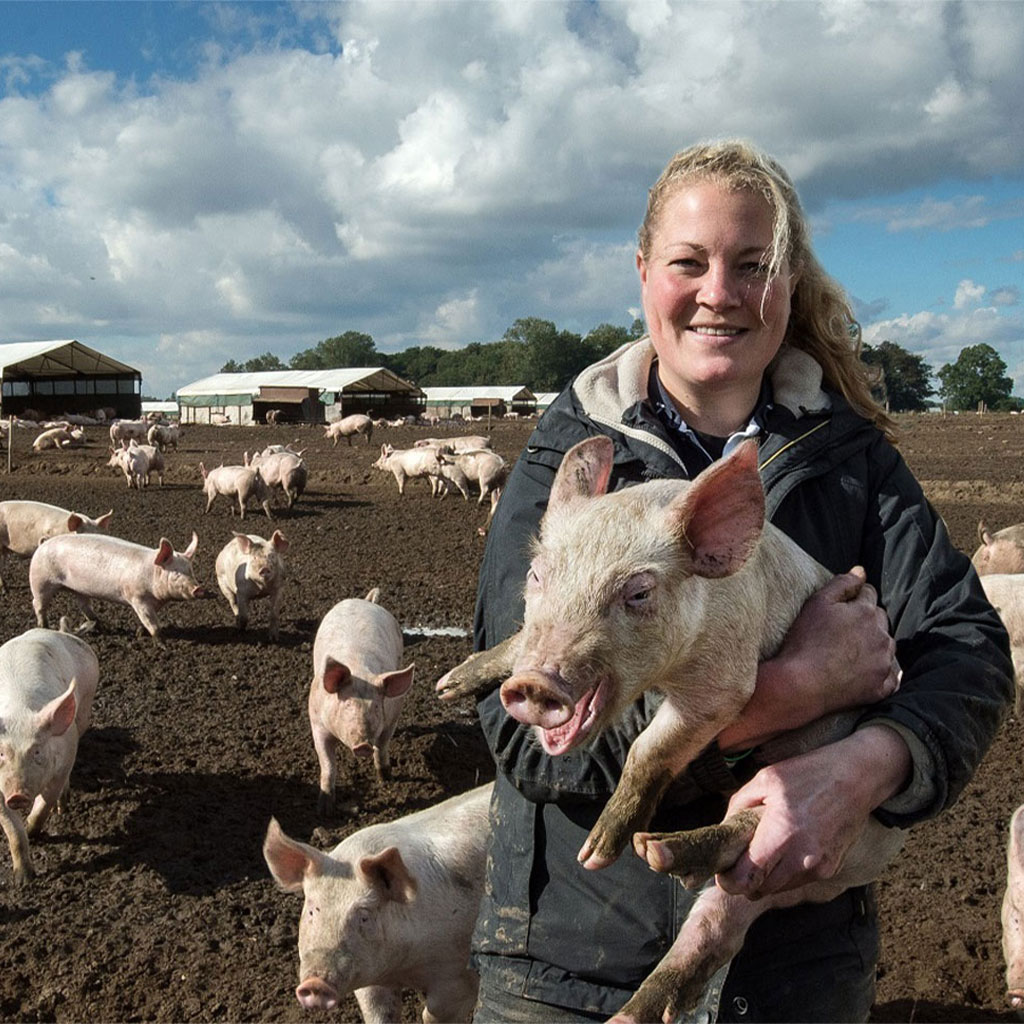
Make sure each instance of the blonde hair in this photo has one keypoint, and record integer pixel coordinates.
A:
(821, 321)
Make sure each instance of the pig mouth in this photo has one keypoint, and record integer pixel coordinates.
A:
(560, 739)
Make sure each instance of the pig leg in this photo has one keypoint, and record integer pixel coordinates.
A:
(266, 508)
(701, 853)
(379, 1004)
(147, 616)
(17, 839)
(664, 748)
(327, 754)
(209, 503)
(241, 505)
(481, 672)
(241, 610)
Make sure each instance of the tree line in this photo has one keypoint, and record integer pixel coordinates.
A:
(534, 353)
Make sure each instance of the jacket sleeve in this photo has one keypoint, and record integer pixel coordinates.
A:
(957, 679)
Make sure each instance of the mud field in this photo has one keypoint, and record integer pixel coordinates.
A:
(153, 902)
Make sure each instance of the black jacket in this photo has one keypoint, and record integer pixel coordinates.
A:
(836, 486)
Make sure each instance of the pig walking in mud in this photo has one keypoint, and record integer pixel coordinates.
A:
(691, 591)
(113, 569)
(358, 688)
(24, 525)
(236, 483)
(47, 684)
(391, 907)
(250, 568)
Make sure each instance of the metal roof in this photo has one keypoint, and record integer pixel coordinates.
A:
(56, 359)
(515, 392)
(351, 379)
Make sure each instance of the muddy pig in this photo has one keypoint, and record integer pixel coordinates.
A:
(391, 907)
(112, 569)
(24, 525)
(250, 568)
(239, 482)
(358, 688)
(665, 607)
(285, 470)
(356, 424)
(47, 684)
(999, 552)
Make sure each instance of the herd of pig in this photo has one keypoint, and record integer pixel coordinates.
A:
(418, 880)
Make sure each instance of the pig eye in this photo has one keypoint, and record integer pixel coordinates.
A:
(532, 578)
(638, 593)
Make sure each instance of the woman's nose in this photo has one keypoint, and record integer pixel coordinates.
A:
(720, 288)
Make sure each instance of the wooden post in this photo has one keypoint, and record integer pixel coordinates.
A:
(10, 441)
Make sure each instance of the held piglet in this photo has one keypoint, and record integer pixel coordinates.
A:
(24, 525)
(391, 907)
(250, 568)
(358, 688)
(47, 684)
(112, 569)
(689, 590)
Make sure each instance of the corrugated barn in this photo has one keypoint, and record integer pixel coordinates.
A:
(300, 396)
(50, 378)
(480, 400)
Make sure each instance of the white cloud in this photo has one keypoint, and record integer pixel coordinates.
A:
(432, 171)
(968, 294)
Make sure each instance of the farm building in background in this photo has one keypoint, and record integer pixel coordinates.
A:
(55, 377)
(545, 398)
(302, 396)
(480, 401)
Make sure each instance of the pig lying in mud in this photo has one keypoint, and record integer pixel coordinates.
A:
(691, 590)
(47, 685)
(391, 907)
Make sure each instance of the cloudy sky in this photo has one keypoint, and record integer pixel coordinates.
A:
(186, 183)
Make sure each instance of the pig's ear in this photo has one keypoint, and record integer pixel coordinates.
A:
(721, 515)
(584, 472)
(243, 541)
(984, 537)
(74, 522)
(336, 675)
(59, 715)
(394, 684)
(279, 541)
(191, 549)
(387, 872)
(104, 521)
(289, 860)
(164, 552)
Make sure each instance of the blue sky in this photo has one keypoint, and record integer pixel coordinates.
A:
(186, 183)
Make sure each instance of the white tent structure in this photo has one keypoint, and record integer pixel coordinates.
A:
(480, 400)
(308, 396)
(55, 377)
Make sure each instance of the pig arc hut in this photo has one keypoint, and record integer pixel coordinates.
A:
(46, 379)
(300, 396)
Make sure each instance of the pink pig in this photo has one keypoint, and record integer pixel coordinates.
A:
(249, 568)
(112, 569)
(358, 688)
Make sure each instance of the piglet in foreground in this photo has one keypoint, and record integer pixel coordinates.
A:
(47, 684)
(358, 688)
(24, 525)
(1013, 912)
(113, 569)
(250, 568)
(689, 589)
(999, 552)
(391, 907)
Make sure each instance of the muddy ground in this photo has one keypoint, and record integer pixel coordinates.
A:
(153, 902)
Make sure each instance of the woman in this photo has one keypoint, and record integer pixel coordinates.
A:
(748, 337)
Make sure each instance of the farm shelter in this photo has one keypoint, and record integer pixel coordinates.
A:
(480, 401)
(544, 399)
(302, 396)
(57, 377)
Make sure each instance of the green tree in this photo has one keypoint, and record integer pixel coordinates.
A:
(267, 361)
(978, 375)
(353, 348)
(606, 338)
(906, 378)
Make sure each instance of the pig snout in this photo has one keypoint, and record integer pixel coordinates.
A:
(19, 802)
(536, 698)
(362, 750)
(316, 994)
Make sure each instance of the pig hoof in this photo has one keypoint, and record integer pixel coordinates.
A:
(656, 853)
(89, 626)
(325, 805)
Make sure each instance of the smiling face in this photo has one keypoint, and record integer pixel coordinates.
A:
(715, 318)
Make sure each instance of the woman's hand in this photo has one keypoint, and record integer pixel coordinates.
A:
(838, 654)
(813, 809)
